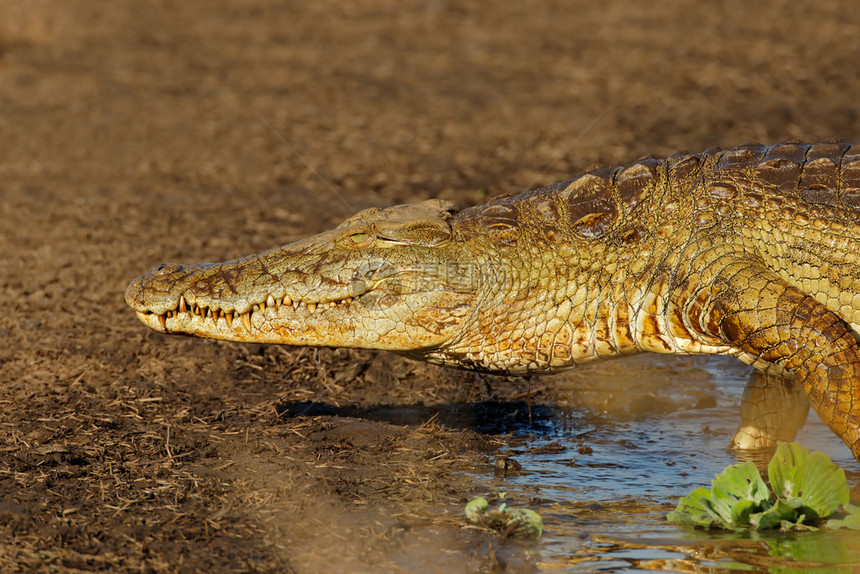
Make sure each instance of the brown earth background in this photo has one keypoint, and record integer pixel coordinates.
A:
(137, 132)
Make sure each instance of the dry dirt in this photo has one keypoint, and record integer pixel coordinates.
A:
(133, 133)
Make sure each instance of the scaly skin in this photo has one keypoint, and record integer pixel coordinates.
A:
(751, 252)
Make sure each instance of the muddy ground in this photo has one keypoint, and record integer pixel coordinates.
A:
(133, 133)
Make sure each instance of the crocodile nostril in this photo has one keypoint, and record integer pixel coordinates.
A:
(167, 268)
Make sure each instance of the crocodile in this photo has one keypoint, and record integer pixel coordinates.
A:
(752, 252)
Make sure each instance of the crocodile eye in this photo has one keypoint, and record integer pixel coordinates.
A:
(358, 239)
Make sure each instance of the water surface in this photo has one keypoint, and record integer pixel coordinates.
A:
(625, 440)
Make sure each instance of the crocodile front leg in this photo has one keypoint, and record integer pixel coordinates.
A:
(773, 409)
(786, 332)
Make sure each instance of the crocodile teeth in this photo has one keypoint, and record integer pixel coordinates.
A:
(206, 312)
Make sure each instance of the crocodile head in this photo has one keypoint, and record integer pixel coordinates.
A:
(394, 278)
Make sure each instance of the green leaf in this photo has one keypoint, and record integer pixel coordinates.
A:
(741, 512)
(695, 509)
(475, 508)
(740, 482)
(813, 479)
(774, 517)
(523, 522)
(851, 518)
(736, 494)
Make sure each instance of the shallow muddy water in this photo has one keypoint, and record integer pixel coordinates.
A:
(657, 437)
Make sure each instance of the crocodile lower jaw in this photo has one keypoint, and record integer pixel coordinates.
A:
(211, 316)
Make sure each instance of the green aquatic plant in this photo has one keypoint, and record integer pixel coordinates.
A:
(514, 522)
(806, 489)
(849, 518)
